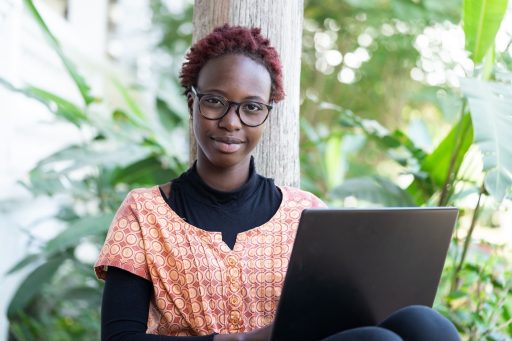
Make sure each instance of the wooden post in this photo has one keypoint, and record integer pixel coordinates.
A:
(277, 156)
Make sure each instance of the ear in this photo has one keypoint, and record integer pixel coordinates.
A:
(190, 103)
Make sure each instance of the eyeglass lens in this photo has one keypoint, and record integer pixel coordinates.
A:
(251, 113)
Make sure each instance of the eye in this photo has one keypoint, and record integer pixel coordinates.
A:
(213, 101)
(253, 107)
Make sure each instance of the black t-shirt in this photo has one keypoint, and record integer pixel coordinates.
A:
(126, 296)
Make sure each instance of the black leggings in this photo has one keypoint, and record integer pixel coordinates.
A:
(413, 323)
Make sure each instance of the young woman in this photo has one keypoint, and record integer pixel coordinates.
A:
(204, 256)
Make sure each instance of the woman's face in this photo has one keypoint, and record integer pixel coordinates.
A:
(227, 142)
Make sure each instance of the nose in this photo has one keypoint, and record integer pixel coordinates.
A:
(231, 120)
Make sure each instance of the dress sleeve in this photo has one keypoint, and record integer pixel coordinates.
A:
(124, 310)
(317, 202)
(124, 246)
(313, 200)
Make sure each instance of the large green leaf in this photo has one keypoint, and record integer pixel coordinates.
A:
(97, 154)
(144, 172)
(443, 162)
(75, 232)
(32, 285)
(437, 163)
(27, 260)
(56, 104)
(481, 21)
(375, 190)
(491, 112)
(60, 106)
(80, 82)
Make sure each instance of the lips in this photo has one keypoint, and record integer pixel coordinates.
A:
(227, 139)
(227, 144)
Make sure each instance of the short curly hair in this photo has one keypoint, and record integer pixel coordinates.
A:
(228, 39)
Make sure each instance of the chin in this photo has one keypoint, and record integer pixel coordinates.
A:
(227, 160)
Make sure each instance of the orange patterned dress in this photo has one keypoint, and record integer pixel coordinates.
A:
(201, 286)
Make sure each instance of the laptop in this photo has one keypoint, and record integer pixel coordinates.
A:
(354, 267)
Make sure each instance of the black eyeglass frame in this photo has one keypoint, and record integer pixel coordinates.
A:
(230, 104)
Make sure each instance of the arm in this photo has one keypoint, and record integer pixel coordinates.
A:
(125, 309)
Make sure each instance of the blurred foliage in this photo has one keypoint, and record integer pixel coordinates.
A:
(480, 306)
(381, 138)
(387, 30)
(383, 88)
(371, 135)
(123, 146)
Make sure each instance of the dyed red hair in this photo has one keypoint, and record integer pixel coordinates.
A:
(239, 40)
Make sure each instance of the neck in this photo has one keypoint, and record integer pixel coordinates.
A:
(223, 179)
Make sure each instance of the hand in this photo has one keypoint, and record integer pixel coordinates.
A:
(260, 334)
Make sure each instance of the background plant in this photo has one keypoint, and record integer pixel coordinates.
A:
(379, 138)
(123, 147)
(363, 162)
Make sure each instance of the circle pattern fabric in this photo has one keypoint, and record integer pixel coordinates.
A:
(201, 286)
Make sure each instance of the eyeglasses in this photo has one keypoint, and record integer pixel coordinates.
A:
(213, 107)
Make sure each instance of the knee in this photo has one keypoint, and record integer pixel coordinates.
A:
(365, 333)
(421, 323)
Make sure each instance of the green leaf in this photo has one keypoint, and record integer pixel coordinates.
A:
(135, 113)
(145, 172)
(168, 117)
(44, 182)
(32, 285)
(435, 166)
(506, 314)
(97, 155)
(490, 105)
(437, 163)
(456, 294)
(27, 260)
(375, 190)
(56, 104)
(400, 147)
(80, 82)
(66, 213)
(333, 160)
(92, 296)
(481, 21)
(76, 231)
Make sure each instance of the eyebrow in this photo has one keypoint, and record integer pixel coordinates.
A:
(223, 94)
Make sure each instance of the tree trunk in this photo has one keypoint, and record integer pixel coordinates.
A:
(277, 155)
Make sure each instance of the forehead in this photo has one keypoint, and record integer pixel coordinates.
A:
(235, 76)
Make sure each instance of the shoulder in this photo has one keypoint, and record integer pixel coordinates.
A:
(141, 208)
(302, 198)
(138, 198)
